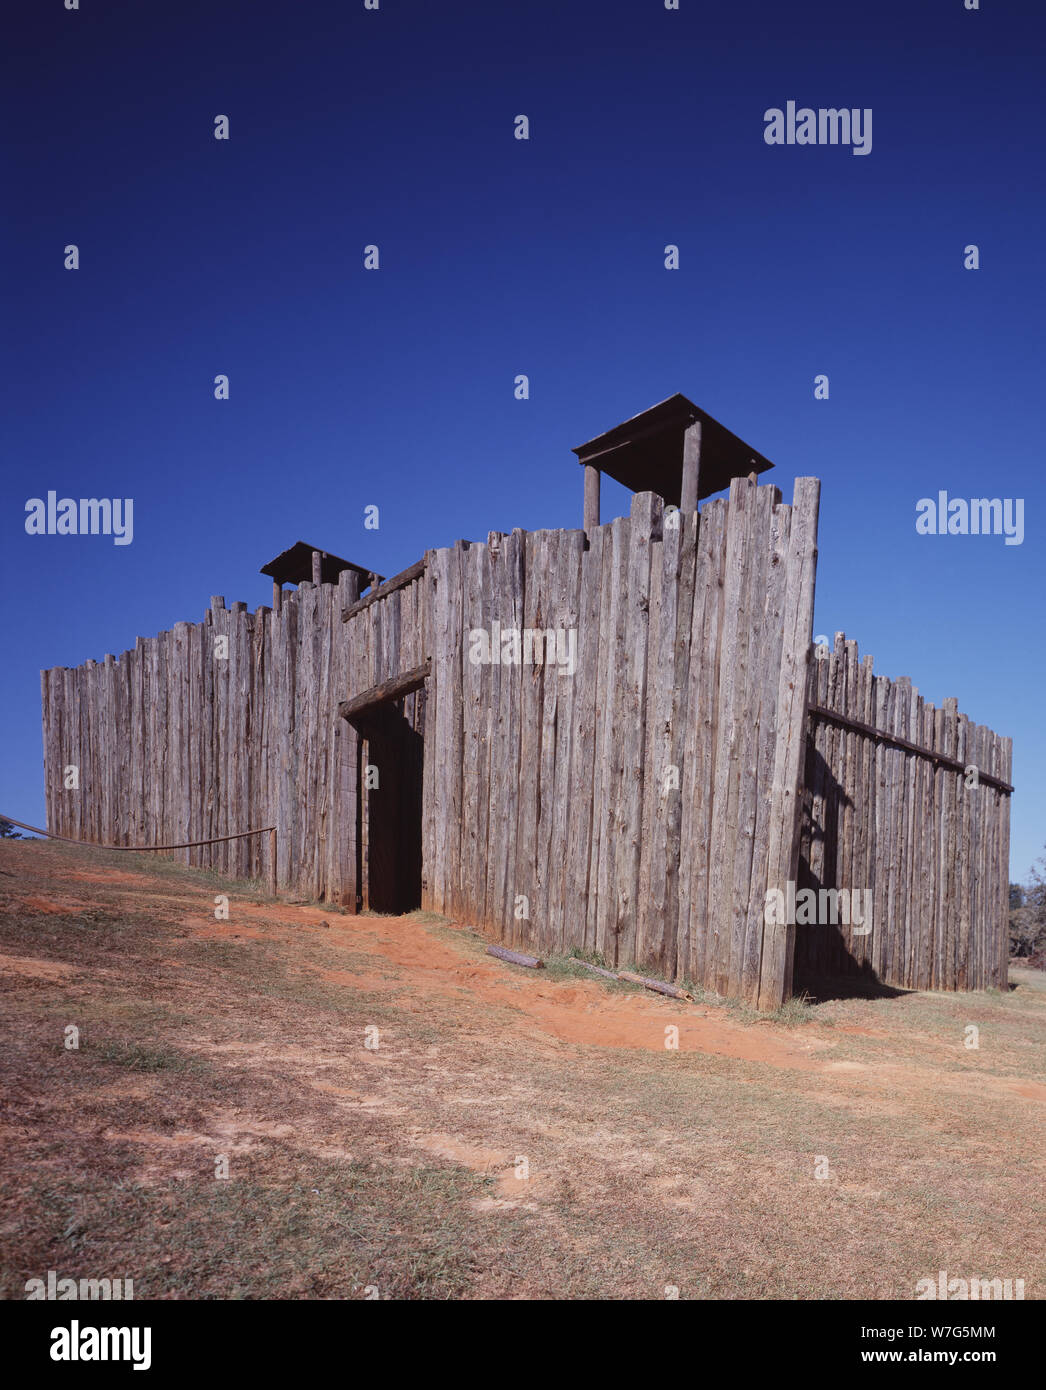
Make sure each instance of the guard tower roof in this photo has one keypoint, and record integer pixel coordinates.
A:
(295, 565)
(646, 452)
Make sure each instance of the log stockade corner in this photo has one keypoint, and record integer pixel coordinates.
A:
(617, 741)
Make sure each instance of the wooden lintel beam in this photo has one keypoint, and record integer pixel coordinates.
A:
(394, 689)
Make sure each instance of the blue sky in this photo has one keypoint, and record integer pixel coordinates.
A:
(499, 257)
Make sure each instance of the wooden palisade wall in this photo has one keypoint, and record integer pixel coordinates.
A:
(636, 807)
(933, 850)
(639, 807)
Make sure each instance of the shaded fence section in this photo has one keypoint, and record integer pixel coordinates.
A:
(634, 798)
(381, 758)
(924, 834)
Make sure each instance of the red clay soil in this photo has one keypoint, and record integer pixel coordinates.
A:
(575, 1011)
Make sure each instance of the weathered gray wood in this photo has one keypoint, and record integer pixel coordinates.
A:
(609, 814)
(673, 991)
(578, 904)
(515, 957)
(384, 589)
(395, 688)
(529, 682)
(549, 786)
(632, 719)
(751, 778)
(727, 753)
(494, 886)
(547, 861)
(444, 657)
(650, 899)
(691, 468)
(597, 970)
(600, 684)
(696, 958)
(591, 512)
(566, 912)
(474, 767)
(783, 850)
(511, 698)
(772, 537)
(454, 749)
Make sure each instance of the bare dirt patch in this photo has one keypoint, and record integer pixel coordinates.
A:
(35, 968)
(397, 1109)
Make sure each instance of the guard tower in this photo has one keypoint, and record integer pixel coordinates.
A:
(306, 562)
(675, 449)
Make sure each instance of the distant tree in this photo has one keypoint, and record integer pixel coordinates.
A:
(8, 831)
(1028, 915)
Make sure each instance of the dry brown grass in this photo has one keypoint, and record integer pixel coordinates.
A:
(395, 1169)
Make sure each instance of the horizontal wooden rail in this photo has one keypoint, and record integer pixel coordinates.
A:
(147, 849)
(389, 586)
(822, 712)
(394, 689)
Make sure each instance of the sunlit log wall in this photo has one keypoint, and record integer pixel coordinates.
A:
(638, 806)
(636, 796)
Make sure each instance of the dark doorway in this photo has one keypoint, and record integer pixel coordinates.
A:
(389, 805)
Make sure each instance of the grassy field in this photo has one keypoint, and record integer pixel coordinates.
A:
(402, 1116)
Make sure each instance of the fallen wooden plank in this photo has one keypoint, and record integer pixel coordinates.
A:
(515, 957)
(597, 970)
(673, 991)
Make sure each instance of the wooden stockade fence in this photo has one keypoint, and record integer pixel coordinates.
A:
(636, 804)
(175, 742)
(628, 780)
(892, 806)
(638, 807)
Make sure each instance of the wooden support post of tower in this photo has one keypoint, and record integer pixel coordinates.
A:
(317, 567)
(591, 497)
(691, 468)
(277, 596)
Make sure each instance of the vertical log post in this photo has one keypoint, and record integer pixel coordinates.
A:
(317, 567)
(775, 975)
(591, 497)
(277, 596)
(691, 468)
